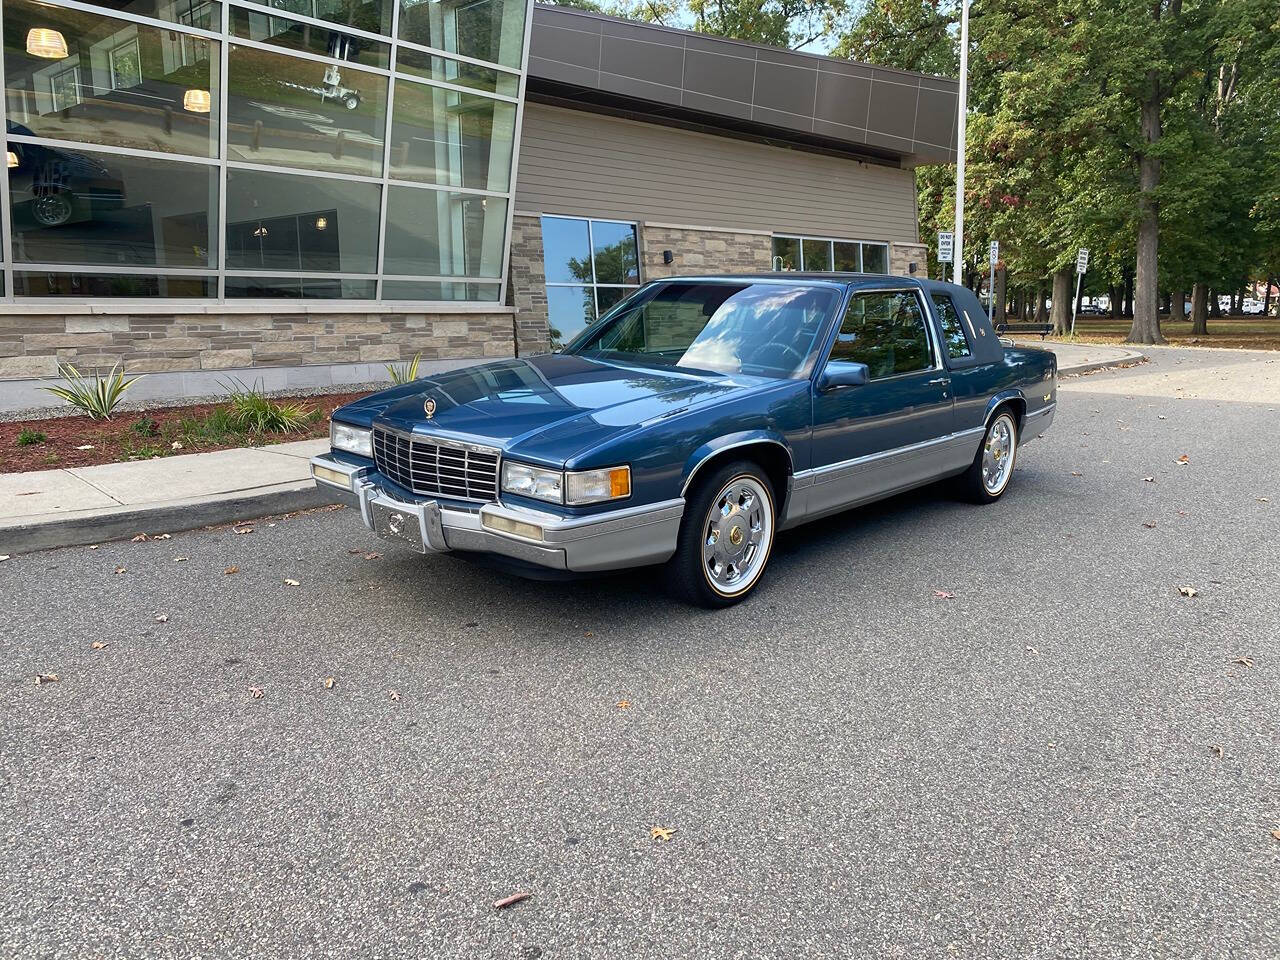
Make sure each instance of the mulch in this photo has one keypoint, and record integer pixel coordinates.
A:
(115, 440)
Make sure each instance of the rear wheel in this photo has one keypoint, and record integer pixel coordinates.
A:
(726, 536)
(992, 468)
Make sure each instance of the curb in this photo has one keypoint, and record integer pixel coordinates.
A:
(1129, 358)
(77, 531)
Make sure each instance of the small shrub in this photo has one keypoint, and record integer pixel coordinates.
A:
(97, 396)
(145, 427)
(404, 372)
(254, 412)
(29, 438)
(147, 451)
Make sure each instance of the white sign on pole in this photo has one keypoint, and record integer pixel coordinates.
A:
(946, 246)
(1082, 260)
(995, 251)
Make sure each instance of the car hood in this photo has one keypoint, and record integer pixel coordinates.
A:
(547, 408)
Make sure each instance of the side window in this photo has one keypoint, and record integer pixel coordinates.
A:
(886, 331)
(952, 330)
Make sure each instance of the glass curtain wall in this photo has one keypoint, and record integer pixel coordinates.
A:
(208, 149)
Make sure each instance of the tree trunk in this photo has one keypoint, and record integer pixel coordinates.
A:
(1042, 311)
(1128, 293)
(998, 294)
(1114, 301)
(1146, 315)
(1178, 305)
(1215, 305)
(1266, 300)
(1061, 316)
(1200, 308)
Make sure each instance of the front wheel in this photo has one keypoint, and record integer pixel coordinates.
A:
(726, 536)
(992, 468)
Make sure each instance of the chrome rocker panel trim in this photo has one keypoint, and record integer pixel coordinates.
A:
(615, 540)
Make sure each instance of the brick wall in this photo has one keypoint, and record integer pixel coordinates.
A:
(527, 285)
(32, 344)
(701, 251)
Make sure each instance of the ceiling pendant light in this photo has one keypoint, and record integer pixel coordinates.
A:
(13, 159)
(196, 101)
(46, 42)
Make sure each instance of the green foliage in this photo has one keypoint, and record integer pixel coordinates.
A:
(251, 411)
(97, 396)
(406, 372)
(30, 438)
(145, 427)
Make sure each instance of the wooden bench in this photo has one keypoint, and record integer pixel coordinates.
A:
(1044, 329)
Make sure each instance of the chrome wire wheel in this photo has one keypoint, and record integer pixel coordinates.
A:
(737, 536)
(999, 450)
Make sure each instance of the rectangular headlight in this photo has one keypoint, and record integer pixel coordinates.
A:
(595, 486)
(529, 481)
(355, 440)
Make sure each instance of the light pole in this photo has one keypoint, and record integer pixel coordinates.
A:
(958, 266)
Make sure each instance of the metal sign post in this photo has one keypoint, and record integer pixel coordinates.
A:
(994, 255)
(1082, 264)
(946, 249)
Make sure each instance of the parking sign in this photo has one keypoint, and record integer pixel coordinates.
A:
(995, 251)
(1082, 260)
(946, 246)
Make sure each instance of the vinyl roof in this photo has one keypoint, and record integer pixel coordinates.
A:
(659, 73)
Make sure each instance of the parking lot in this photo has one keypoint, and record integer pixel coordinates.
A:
(1062, 756)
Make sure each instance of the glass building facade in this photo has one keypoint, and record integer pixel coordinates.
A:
(218, 150)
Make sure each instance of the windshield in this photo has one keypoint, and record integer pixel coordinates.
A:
(765, 329)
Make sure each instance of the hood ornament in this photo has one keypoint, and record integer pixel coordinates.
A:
(429, 407)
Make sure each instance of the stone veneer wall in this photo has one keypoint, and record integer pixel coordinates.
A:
(32, 344)
(902, 255)
(527, 287)
(701, 251)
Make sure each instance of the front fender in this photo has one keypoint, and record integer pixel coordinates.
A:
(743, 438)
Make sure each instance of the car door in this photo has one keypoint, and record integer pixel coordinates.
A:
(884, 435)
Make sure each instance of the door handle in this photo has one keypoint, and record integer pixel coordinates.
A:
(939, 380)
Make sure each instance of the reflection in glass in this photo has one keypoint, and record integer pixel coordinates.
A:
(886, 332)
(614, 248)
(433, 233)
(569, 311)
(288, 112)
(204, 14)
(418, 63)
(309, 288)
(85, 206)
(875, 258)
(566, 250)
(450, 138)
(817, 255)
(953, 334)
(431, 290)
(490, 30)
(848, 256)
(786, 253)
(119, 84)
(288, 222)
(296, 35)
(373, 16)
(608, 297)
(88, 285)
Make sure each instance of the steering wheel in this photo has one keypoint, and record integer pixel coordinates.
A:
(785, 347)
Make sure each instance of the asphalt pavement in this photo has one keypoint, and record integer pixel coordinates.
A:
(1066, 758)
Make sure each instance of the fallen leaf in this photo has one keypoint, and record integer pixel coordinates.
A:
(163, 536)
(1244, 661)
(1188, 591)
(329, 682)
(661, 833)
(85, 446)
(1149, 526)
(120, 570)
(162, 618)
(508, 901)
(46, 678)
(1275, 834)
(255, 692)
(92, 546)
(1217, 750)
(181, 559)
(140, 538)
(291, 583)
(176, 445)
(1184, 460)
(231, 569)
(1162, 417)
(944, 595)
(394, 695)
(1032, 650)
(98, 645)
(1076, 473)
(1260, 500)
(372, 556)
(624, 704)
(1148, 479)
(241, 531)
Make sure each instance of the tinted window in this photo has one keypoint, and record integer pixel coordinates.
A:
(756, 328)
(885, 331)
(952, 330)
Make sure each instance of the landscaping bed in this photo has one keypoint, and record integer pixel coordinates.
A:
(57, 442)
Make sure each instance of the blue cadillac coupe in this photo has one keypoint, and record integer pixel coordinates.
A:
(691, 423)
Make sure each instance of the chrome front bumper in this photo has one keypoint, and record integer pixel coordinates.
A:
(629, 537)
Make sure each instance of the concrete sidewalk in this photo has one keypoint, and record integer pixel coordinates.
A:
(79, 505)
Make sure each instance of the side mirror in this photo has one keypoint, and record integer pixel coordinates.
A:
(844, 373)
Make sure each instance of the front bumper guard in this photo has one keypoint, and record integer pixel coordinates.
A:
(614, 540)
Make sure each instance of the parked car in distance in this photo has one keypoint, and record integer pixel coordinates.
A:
(692, 423)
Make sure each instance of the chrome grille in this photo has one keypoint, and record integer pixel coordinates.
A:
(436, 468)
